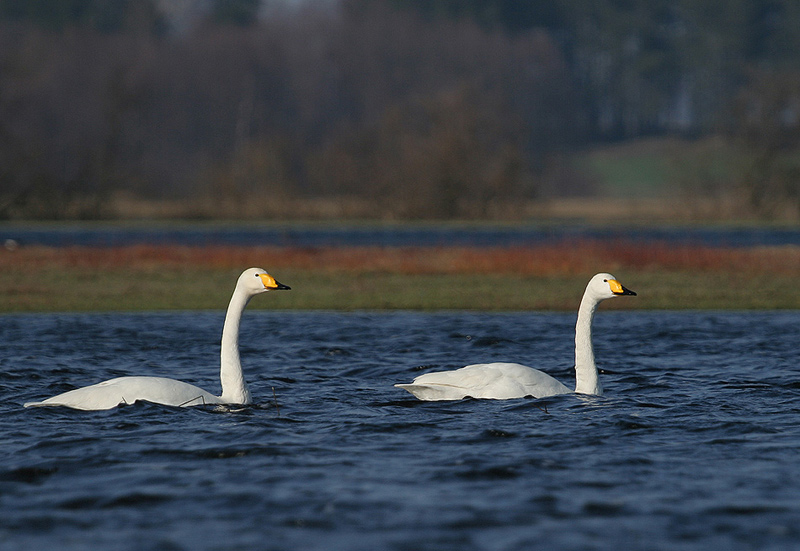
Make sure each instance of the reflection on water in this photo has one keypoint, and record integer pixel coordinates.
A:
(387, 235)
(694, 446)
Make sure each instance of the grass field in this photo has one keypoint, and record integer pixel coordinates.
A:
(552, 277)
(657, 167)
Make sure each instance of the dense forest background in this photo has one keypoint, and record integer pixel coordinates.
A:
(389, 108)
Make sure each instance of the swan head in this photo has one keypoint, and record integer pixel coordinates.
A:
(603, 286)
(257, 280)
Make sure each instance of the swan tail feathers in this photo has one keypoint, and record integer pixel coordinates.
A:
(433, 393)
(47, 403)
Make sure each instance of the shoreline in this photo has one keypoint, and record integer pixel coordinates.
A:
(533, 278)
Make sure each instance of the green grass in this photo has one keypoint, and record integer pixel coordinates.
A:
(208, 289)
(660, 167)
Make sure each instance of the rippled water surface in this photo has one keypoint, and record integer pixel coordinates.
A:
(696, 444)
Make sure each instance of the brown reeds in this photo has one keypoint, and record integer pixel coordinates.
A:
(569, 258)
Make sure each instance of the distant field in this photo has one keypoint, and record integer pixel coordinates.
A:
(651, 168)
(552, 277)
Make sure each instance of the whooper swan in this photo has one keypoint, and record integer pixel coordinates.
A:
(502, 381)
(160, 390)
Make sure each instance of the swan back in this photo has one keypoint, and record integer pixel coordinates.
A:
(127, 390)
(495, 381)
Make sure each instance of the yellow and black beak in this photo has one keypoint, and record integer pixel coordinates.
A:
(618, 289)
(271, 284)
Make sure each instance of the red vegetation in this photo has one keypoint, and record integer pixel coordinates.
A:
(553, 259)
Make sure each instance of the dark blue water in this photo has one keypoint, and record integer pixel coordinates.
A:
(696, 444)
(389, 235)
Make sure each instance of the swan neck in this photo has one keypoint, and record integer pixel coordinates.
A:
(586, 378)
(234, 387)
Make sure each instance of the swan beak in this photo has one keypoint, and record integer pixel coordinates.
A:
(271, 284)
(618, 289)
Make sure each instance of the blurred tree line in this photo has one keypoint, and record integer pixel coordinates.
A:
(399, 108)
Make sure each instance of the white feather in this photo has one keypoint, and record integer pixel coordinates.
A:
(160, 390)
(502, 381)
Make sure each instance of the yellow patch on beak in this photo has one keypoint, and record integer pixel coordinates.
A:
(616, 286)
(268, 281)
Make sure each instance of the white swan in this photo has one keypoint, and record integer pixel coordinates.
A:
(159, 390)
(502, 381)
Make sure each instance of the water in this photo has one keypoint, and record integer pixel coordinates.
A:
(420, 235)
(696, 444)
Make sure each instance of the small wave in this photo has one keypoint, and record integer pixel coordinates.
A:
(219, 452)
(746, 509)
(133, 500)
(28, 474)
(498, 472)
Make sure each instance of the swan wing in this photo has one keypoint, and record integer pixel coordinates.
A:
(499, 381)
(127, 390)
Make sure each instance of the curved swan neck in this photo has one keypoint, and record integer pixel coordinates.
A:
(586, 378)
(234, 388)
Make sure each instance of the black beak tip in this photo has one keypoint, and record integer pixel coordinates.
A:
(626, 292)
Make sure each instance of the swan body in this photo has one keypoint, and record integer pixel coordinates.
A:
(497, 381)
(170, 392)
(126, 390)
(503, 381)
